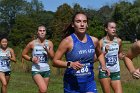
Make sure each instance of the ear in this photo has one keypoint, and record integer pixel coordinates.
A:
(106, 29)
(87, 25)
(72, 25)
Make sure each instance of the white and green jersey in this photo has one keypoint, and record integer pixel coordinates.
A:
(40, 52)
(111, 57)
(5, 60)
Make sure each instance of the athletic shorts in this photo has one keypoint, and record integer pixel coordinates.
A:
(44, 74)
(113, 76)
(80, 87)
(7, 73)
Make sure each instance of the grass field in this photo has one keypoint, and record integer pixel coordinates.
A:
(21, 80)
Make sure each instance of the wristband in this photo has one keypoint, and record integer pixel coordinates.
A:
(68, 64)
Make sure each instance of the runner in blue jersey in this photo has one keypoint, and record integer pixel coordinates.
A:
(42, 49)
(6, 56)
(111, 46)
(79, 49)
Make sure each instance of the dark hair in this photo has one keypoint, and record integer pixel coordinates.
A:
(41, 26)
(69, 29)
(3, 38)
(81, 12)
(107, 22)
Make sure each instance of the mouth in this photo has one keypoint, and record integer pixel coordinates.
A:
(113, 32)
(42, 35)
(82, 28)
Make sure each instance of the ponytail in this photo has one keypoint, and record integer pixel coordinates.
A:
(68, 30)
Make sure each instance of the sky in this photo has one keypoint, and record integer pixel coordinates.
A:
(51, 5)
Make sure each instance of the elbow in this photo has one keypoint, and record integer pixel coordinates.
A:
(15, 61)
(54, 63)
(23, 56)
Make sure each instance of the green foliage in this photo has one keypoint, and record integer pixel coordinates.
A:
(127, 17)
(36, 5)
(62, 18)
(19, 20)
(96, 27)
(8, 11)
(104, 13)
(77, 8)
(23, 31)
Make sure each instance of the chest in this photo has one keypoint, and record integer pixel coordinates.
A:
(39, 50)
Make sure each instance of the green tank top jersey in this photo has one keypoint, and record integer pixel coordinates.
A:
(111, 57)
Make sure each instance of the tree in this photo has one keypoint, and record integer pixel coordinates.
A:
(96, 27)
(105, 13)
(40, 16)
(127, 16)
(8, 11)
(77, 8)
(36, 6)
(23, 30)
(62, 18)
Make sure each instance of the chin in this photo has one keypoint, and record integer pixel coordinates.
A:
(82, 32)
(42, 37)
(4, 47)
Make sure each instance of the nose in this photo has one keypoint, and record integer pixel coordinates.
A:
(82, 23)
(42, 31)
(114, 29)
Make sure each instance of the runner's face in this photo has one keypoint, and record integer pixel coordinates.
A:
(4, 43)
(80, 23)
(111, 29)
(41, 32)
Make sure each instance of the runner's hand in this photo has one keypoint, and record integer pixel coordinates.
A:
(106, 70)
(35, 59)
(76, 65)
(122, 55)
(136, 74)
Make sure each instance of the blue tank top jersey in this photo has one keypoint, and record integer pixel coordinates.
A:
(84, 53)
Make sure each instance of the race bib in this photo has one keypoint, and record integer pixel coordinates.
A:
(42, 58)
(111, 60)
(5, 63)
(84, 71)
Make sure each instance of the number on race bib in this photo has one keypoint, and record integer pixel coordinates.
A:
(111, 60)
(5, 63)
(41, 58)
(83, 70)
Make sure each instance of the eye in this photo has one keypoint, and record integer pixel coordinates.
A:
(77, 21)
(85, 21)
(42, 30)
